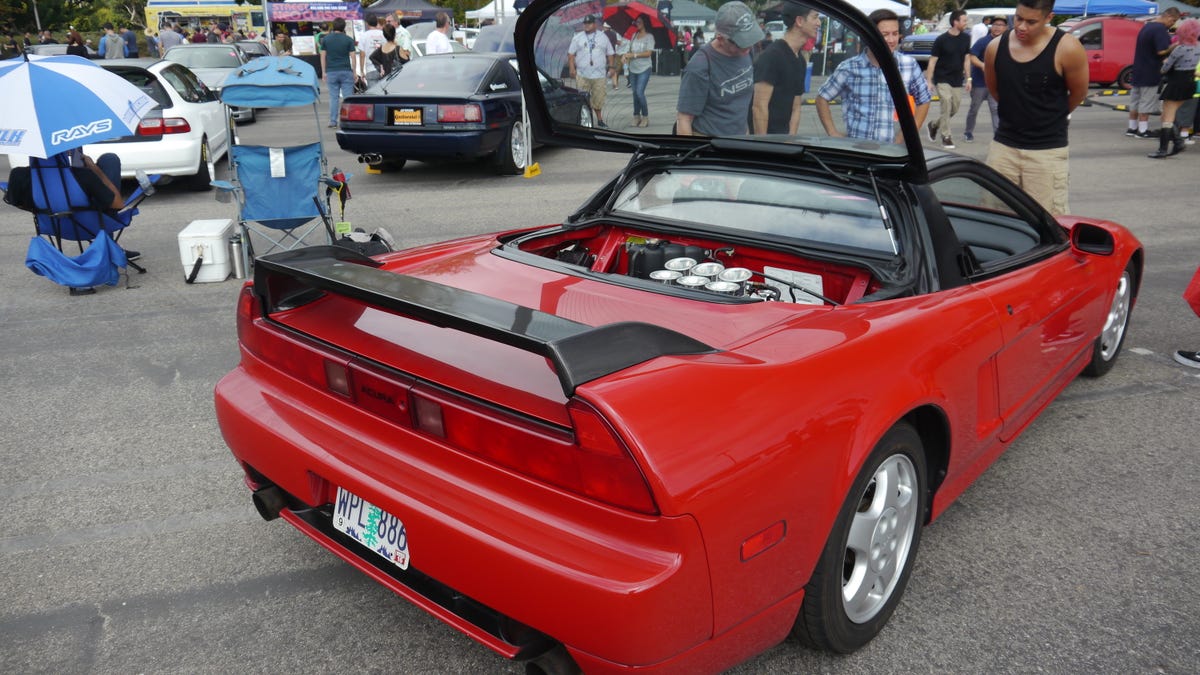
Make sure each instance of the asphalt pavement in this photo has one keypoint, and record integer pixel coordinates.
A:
(129, 543)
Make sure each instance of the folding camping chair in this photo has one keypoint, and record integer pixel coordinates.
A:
(277, 189)
(63, 212)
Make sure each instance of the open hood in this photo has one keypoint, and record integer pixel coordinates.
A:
(841, 51)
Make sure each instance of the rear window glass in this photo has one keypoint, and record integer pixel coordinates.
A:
(440, 74)
(204, 58)
(148, 83)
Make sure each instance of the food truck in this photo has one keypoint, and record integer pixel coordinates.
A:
(194, 14)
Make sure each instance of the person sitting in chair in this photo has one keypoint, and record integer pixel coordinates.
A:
(99, 178)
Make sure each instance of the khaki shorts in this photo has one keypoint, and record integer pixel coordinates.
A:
(1044, 174)
(1144, 100)
(597, 89)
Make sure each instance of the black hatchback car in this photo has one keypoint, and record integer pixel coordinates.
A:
(451, 106)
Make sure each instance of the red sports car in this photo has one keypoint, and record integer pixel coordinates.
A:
(712, 408)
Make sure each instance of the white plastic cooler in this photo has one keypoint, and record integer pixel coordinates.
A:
(207, 239)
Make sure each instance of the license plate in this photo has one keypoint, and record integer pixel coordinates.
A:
(406, 116)
(372, 527)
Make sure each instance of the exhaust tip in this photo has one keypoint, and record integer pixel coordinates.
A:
(554, 661)
(370, 158)
(269, 502)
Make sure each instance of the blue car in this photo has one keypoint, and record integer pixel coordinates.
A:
(452, 107)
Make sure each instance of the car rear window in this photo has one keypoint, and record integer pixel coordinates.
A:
(147, 82)
(440, 75)
(205, 58)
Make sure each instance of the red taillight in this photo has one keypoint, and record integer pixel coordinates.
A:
(161, 126)
(357, 112)
(589, 459)
(591, 462)
(459, 113)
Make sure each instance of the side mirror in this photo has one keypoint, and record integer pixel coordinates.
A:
(1093, 239)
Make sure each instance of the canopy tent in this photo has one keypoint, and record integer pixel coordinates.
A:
(868, 6)
(492, 10)
(405, 10)
(1085, 7)
(688, 13)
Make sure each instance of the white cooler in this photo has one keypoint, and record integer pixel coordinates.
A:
(208, 239)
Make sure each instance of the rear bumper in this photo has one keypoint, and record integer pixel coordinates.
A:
(422, 145)
(626, 590)
(172, 155)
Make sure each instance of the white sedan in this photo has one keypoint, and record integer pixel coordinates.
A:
(184, 136)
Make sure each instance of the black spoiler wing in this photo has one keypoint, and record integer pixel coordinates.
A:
(579, 352)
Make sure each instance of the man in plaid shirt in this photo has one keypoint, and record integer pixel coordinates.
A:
(867, 106)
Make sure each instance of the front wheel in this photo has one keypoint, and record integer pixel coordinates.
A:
(869, 555)
(1107, 346)
(510, 156)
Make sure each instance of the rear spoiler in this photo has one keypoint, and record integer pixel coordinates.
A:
(579, 352)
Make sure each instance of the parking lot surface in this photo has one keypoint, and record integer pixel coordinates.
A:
(129, 543)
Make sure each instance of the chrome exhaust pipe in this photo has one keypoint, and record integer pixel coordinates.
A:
(554, 661)
(269, 502)
(370, 158)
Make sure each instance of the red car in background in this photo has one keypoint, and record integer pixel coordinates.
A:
(1109, 42)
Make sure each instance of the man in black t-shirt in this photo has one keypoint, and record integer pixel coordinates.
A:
(779, 74)
(949, 73)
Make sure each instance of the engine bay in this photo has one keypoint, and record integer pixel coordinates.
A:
(703, 268)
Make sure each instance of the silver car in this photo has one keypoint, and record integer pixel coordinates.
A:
(212, 63)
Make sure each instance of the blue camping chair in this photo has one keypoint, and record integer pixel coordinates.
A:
(277, 189)
(62, 212)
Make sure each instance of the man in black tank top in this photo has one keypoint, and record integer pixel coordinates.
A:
(1038, 75)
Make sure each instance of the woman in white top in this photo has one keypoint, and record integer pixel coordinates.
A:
(637, 58)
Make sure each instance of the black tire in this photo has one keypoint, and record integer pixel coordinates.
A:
(890, 521)
(202, 179)
(510, 156)
(1125, 78)
(1107, 346)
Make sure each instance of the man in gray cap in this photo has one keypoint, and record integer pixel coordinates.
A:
(718, 83)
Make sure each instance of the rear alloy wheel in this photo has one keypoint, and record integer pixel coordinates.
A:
(1107, 346)
(1125, 78)
(870, 553)
(202, 180)
(510, 156)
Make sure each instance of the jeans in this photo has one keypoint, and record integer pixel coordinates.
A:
(639, 82)
(978, 96)
(110, 165)
(341, 85)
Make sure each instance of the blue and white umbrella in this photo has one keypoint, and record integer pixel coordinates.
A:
(56, 103)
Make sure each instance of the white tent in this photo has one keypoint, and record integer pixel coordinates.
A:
(868, 6)
(493, 10)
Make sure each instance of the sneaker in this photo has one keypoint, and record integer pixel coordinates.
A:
(601, 124)
(1189, 359)
(131, 254)
(1147, 134)
(970, 138)
(933, 127)
(1132, 133)
(1190, 140)
(947, 143)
